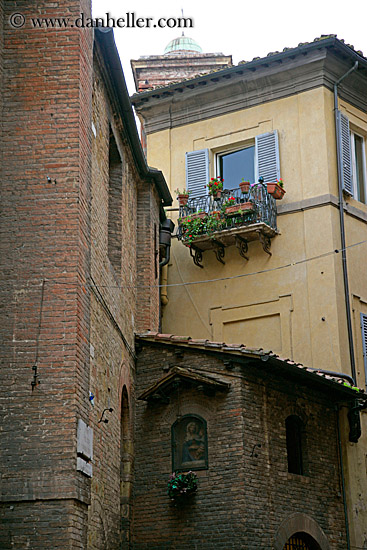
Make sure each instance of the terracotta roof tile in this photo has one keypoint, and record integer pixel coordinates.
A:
(235, 349)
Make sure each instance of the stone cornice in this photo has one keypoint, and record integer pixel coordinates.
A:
(246, 86)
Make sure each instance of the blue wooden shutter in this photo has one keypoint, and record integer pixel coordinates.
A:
(345, 152)
(364, 342)
(267, 157)
(197, 172)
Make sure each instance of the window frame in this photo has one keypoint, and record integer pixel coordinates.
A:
(356, 193)
(296, 445)
(179, 465)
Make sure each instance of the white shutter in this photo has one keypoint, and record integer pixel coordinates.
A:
(267, 157)
(345, 152)
(364, 342)
(197, 172)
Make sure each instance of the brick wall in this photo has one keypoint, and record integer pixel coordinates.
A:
(117, 305)
(247, 492)
(66, 308)
(147, 258)
(44, 230)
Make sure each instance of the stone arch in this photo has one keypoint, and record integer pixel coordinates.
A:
(97, 526)
(300, 523)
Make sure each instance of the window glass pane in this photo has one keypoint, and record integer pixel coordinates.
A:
(360, 183)
(234, 167)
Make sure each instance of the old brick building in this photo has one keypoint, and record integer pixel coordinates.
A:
(84, 463)
(81, 214)
(183, 58)
(260, 485)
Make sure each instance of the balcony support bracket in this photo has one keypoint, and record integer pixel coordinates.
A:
(219, 251)
(197, 256)
(242, 246)
(266, 243)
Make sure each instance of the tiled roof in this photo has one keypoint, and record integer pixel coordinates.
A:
(338, 381)
(329, 40)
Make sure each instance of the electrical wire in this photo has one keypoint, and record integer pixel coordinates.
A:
(205, 281)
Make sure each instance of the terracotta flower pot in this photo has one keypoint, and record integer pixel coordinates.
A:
(182, 199)
(245, 186)
(200, 215)
(275, 190)
(217, 194)
(243, 206)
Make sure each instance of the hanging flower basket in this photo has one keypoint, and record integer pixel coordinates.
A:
(181, 486)
(275, 190)
(245, 186)
(239, 208)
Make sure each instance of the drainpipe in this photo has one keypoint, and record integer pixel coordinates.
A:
(164, 241)
(342, 228)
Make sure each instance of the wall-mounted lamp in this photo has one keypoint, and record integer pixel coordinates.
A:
(105, 420)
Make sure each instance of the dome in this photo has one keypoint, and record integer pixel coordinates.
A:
(183, 44)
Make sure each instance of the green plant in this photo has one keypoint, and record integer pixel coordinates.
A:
(215, 184)
(280, 183)
(192, 228)
(182, 485)
(213, 223)
(231, 201)
(183, 192)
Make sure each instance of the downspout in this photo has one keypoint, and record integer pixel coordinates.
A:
(342, 476)
(166, 229)
(342, 227)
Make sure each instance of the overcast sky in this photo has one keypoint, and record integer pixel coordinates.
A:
(243, 29)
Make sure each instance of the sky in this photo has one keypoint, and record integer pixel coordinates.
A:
(242, 29)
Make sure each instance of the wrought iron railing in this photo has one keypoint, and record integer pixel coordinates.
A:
(264, 207)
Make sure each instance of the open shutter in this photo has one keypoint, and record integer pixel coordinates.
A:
(267, 157)
(364, 342)
(197, 173)
(345, 152)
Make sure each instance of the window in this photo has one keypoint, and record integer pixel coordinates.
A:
(358, 166)
(233, 165)
(189, 444)
(295, 445)
(353, 160)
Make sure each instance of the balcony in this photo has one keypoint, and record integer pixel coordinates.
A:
(236, 218)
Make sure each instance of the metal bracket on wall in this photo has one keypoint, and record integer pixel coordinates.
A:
(197, 256)
(219, 251)
(242, 246)
(266, 243)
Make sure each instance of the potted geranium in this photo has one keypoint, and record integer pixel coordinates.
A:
(276, 189)
(181, 486)
(182, 196)
(215, 187)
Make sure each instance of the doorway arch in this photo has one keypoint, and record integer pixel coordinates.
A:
(301, 541)
(303, 526)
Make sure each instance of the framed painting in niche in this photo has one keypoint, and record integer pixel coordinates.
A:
(189, 443)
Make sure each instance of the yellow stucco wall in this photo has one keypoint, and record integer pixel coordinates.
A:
(296, 311)
(298, 297)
